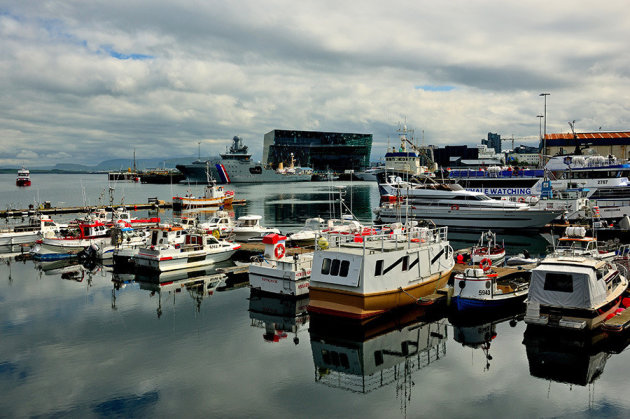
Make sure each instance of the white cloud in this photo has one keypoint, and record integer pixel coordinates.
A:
(163, 76)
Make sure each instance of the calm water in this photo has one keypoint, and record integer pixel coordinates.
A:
(75, 343)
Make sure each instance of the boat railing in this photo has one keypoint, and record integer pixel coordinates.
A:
(400, 237)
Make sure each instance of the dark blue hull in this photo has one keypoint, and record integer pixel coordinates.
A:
(468, 304)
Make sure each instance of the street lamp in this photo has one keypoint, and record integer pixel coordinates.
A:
(540, 134)
(545, 116)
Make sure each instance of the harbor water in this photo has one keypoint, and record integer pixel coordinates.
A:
(83, 341)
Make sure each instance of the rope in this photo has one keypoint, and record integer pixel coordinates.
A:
(420, 301)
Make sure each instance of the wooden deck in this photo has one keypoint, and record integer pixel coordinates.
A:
(618, 323)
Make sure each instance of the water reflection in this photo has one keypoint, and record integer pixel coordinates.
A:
(571, 358)
(291, 209)
(362, 359)
(70, 269)
(478, 332)
(278, 316)
(198, 283)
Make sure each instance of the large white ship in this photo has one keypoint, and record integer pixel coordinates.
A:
(237, 166)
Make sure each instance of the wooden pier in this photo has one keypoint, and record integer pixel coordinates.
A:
(47, 210)
(153, 204)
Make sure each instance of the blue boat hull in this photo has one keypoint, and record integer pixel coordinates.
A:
(468, 304)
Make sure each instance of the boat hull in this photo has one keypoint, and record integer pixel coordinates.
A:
(184, 202)
(361, 306)
(181, 261)
(476, 305)
(470, 219)
(8, 239)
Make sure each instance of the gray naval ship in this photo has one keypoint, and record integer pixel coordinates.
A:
(237, 166)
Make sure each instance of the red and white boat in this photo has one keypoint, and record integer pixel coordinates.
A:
(488, 248)
(79, 236)
(23, 177)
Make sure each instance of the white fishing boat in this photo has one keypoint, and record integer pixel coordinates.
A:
(574, 292)
(481, 289)
(575, 242)
(363, 276)
(306, 236)
(36, 228)
(198, 249)
(248, 227)
(123, 256)
(220, 224)
(276, 273)
(77, 237)
(488, 248)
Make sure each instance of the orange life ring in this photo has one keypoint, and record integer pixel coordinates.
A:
(279, 252)
(454, 207)
(521, 199)
(485, 264)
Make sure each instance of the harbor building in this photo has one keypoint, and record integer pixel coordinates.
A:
(603, 143)
(318, 150)
(493, 142)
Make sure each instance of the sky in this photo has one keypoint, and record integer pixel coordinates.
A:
(86, 81)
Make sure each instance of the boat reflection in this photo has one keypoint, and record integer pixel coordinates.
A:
(278, 316)
(570, 358)
(478, 332)
(198, 283)
(364, 358)
(70, 269)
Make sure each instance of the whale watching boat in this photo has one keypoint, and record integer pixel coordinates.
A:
(237, 166)
(450, 205)
(574, 292)
(23, 177)
(358, 277)
(196, 250)
(275, 272)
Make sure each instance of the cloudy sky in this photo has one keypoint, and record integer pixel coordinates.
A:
(84, 81)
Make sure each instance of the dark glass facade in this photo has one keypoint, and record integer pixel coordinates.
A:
(334, 151)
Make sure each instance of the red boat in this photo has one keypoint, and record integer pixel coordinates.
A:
(23, 177)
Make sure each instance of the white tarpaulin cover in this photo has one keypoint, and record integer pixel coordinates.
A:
(588, 291)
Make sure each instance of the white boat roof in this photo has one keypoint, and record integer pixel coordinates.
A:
(572, 260)
(250, 217)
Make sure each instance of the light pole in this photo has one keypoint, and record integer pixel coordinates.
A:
(540, 136)
(545, 116)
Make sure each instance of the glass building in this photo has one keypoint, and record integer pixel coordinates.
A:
(334, 151)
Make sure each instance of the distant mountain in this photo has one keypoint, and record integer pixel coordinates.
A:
(116, 164)
(124, 164)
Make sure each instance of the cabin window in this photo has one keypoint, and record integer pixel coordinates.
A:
(378, 271)
(405, 263)
(558, 282)
(326, 266)
(345, 267)
(334, 269)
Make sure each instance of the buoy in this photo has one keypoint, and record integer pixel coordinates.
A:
(485, 264)
(279, 252)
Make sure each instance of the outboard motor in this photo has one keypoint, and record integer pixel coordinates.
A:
(89, 253)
